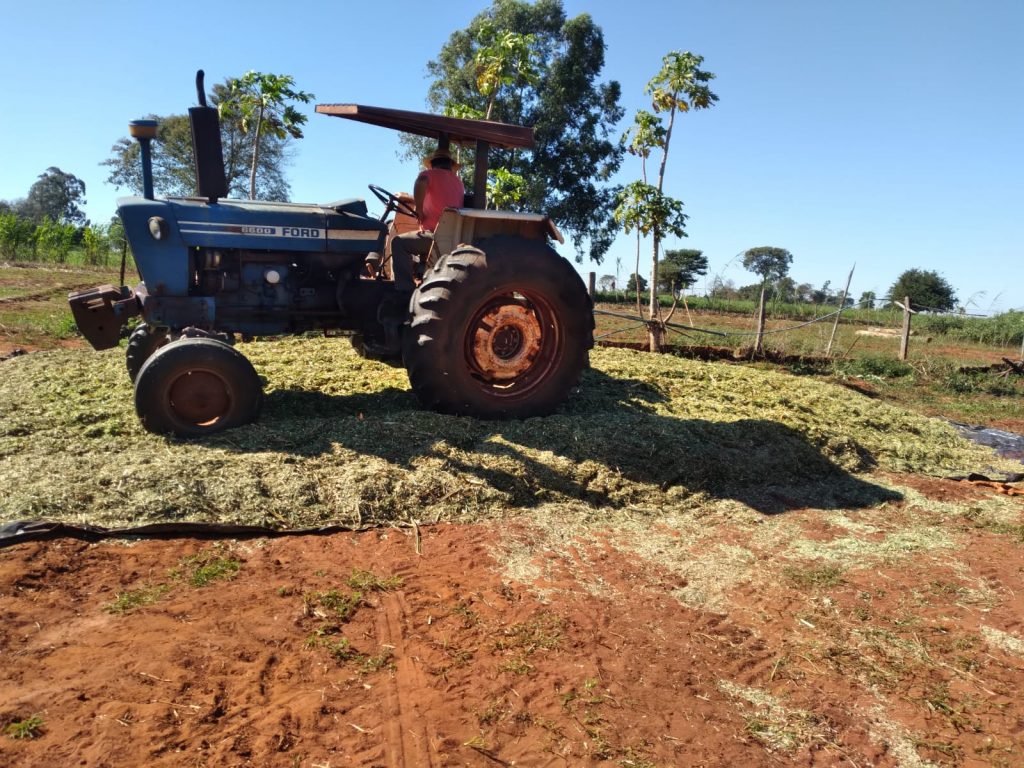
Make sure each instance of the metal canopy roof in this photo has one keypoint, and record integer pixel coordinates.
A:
(457, 129)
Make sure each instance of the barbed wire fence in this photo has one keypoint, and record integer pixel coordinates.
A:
(902, 304)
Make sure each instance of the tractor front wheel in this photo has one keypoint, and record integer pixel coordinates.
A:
(143, 342)
(195, 387)
(499, 331)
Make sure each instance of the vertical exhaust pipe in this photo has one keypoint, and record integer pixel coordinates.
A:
(206, 147)
(145, 131)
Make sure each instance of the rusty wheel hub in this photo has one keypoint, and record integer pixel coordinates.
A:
(505, 342)
(199, 397)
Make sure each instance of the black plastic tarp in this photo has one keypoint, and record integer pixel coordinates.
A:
(1007, 444)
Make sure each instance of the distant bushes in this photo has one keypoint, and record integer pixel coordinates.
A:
(875, 365)
(22, 239)
(1004, 329)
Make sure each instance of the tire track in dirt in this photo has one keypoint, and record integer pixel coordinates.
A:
(49, 293)
(408, 726)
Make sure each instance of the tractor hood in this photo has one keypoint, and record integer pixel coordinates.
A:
(251, 224)
(274, 226)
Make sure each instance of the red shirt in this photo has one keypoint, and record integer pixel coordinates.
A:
(444, 190)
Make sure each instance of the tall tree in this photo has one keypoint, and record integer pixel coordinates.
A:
(173, 168)
(55, 196)
(261, 102)
(679, 86)
(562, 99)
(927, 289)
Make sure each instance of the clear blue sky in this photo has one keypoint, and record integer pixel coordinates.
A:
(886, 133)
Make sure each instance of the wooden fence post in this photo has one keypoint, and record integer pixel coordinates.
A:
(842, 304)
(592, 283)
(905, 337)
(760, 324)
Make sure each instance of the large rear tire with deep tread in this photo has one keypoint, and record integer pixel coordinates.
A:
(196, 387)
(498, 331)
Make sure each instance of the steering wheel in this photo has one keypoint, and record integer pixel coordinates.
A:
(392, 202)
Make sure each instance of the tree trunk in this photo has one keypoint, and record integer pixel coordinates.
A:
(656, 336)
(255, 155)
(664, 153)
(636, 277)
(656, 332)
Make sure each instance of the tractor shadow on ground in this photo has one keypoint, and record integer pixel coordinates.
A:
(608, 433)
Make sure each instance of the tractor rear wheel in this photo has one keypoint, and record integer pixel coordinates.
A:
(499, 331)
(143, 342)
(195, 387)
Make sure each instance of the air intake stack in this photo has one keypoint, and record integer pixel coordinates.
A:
(144, 131)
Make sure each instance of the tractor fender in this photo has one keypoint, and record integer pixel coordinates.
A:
(469, 226)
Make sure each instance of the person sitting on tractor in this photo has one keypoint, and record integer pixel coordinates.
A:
(438, 187)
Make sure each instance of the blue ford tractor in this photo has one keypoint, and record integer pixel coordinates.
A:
(499, 325)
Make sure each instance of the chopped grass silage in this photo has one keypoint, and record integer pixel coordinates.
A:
(342, 440)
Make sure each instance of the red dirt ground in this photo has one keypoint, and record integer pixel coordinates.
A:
(460, 667)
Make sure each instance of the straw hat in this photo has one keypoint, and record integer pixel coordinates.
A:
(437, 154)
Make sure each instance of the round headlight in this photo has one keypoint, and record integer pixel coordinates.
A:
(157, 228)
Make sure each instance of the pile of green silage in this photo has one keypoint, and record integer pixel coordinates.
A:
(342, 440)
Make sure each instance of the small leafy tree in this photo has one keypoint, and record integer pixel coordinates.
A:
(867, 300)
(53, 240)
(504, 188)
(680, 268)
(769, 262)
(504, 59)
(606, 283)
(262, 102)
(823, 295)
(636, 283)
(15, 233)
(679, 86)
(96, 245)
(927, 290)
(785, 290)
